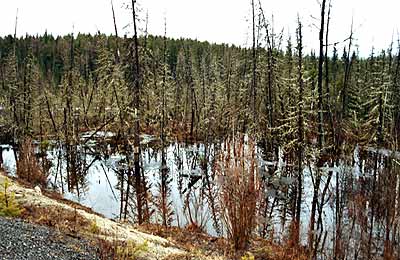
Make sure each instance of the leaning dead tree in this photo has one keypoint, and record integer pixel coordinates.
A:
(317, 179)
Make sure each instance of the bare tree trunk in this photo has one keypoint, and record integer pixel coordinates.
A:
(300, 134)
(13, 94)
(164, 169)
(138, 180)
(116, 33)
(330, 173)
(346, 76)
(254, 68)
(311, 234)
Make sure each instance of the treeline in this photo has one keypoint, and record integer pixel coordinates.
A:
(205, 83)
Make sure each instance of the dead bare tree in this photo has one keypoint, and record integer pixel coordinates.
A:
(317, 179)
(139, 189)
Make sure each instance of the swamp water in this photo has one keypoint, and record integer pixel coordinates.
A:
(189, 184)
(99, 188)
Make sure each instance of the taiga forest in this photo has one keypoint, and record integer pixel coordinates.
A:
(270, 150)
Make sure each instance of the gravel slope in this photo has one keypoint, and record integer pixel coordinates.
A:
(20, 241)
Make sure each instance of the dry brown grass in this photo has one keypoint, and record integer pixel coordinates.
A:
(200, 245)
(264, 249)
(120, 250)
(65, 220)
(189, 239)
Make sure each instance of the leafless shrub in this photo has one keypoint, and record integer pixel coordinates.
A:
(237, 172)
(195, 211)
(28, 168)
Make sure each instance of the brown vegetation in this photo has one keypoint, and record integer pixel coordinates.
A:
(195, 242)
(240, 189)
(28, 168)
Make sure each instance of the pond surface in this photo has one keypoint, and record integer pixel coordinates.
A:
(190, 185)
(183, 160)
(100, 189)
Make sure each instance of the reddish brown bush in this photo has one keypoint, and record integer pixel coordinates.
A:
(238, 177)
(28, 168)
